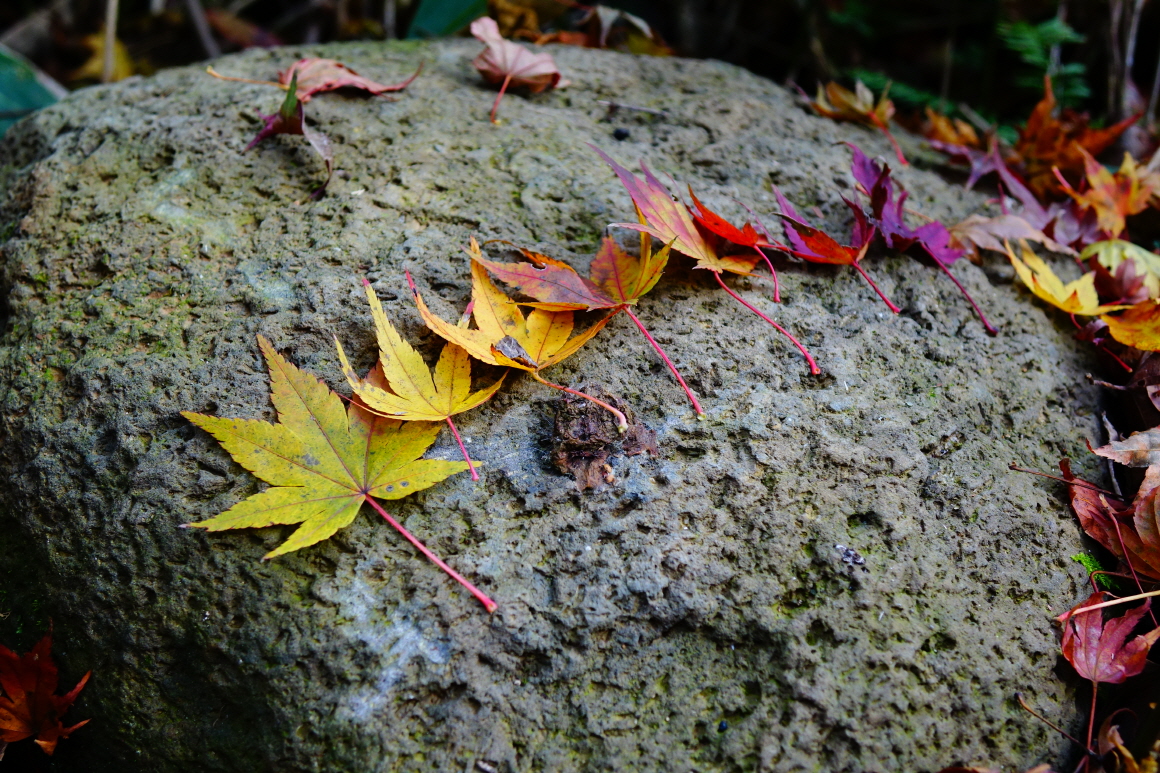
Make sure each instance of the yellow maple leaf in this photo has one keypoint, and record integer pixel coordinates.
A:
(1078, 297)
(503, 336)
(94, 66)
(414, 395)
(1138, 327)
(323, 462)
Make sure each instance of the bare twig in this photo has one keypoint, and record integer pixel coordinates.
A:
(197, 16)
(614, 106)
(390, 19)
(110, 40)
(1046, 721)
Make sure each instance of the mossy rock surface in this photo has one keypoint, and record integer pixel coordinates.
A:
(695, 614)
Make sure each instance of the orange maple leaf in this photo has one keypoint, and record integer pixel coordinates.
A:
(618, 280)
(1114, 196)
(1047, 142)
(503, 336)
(838, 103)
(29, 707)
(671, 221)
(954, 131)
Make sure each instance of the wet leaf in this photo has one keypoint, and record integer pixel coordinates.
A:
(323, 462)
(29, 705)
(315, 76)
(1101, 651)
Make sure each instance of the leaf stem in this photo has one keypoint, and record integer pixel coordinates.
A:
(991, 330)
(1094, 607)
(219, 76)
(1092, 715)
(466, 458)
(488, 604)
(772, 270)
(882, 295)
(665, 357)
(814, 369)
(621, 421)
(499, 96)
(886, 130)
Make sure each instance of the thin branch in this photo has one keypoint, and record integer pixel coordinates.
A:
(1104, 605)
(110, 41)
(197, 16)
(219, 76)
(1046, 721)
(1082, 484)
(614, 106)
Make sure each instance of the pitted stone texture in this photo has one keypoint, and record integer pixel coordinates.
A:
(696, 614)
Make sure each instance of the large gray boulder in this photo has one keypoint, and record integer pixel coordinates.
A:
(696, 614)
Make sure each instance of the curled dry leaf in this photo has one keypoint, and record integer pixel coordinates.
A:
(510, 64)
(318, 75)
(988, 233)
(323, 462)
(291, 119)
(414, 395)
(951, 131)
(29, 705)
(1129, 532)
(840, 104)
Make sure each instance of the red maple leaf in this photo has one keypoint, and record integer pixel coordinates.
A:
(28, 706)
